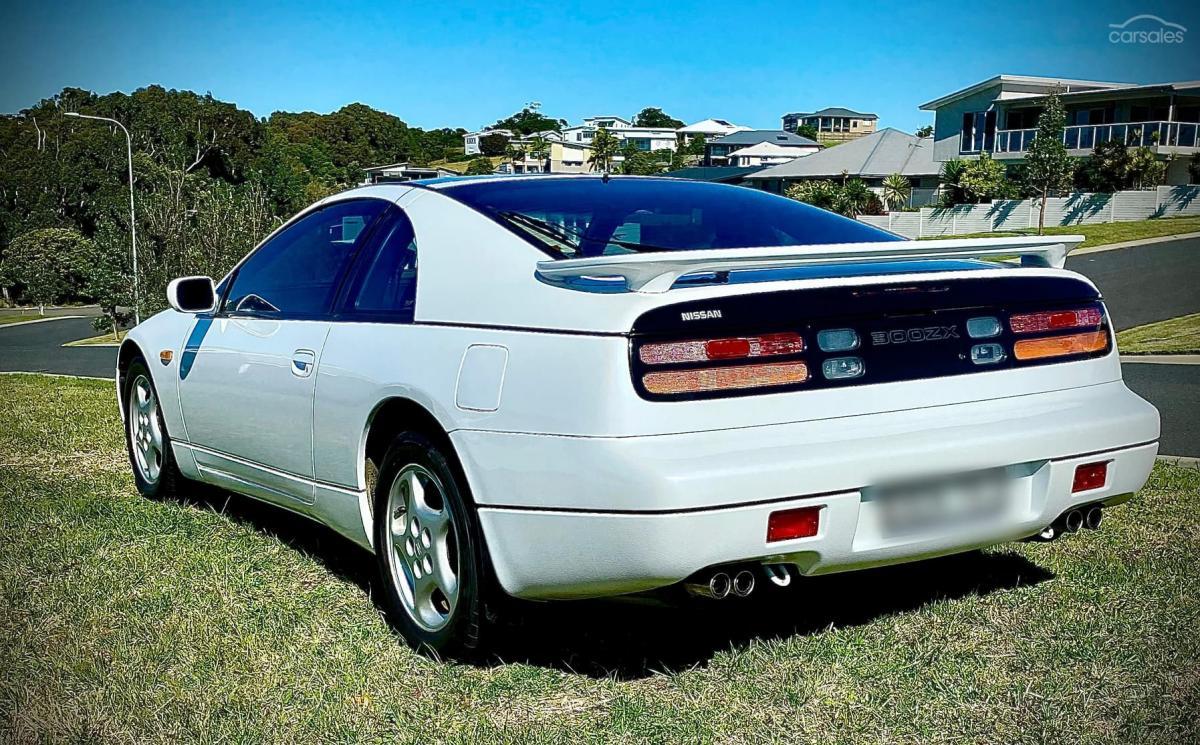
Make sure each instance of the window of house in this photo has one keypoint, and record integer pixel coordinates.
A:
(978, 131)
(295, 273)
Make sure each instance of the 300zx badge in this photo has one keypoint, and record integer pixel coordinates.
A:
(910, 336)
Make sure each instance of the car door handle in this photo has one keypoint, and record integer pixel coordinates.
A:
(303, 362)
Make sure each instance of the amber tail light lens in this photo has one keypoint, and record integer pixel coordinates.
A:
(1060, 346)
(736, 377)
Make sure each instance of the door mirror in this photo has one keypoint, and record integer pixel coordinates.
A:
(192, 294)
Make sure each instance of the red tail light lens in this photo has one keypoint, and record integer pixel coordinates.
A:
(732, 348)
(1060, 346)
(787, 525)
(1090, 476)
(768, 375)
(1055, 320)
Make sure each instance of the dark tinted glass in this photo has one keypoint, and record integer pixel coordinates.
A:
(572, 218)
(295, 273)
(388, 285)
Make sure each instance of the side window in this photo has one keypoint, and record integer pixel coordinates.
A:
(296, 273)
(387, 283)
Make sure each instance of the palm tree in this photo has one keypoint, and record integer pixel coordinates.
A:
(539, 148)
(896, 191)
(605, 147)
(853, 198)
(514, 153)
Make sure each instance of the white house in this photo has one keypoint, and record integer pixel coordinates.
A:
(643, 138)
(710, 129)
(767, 154)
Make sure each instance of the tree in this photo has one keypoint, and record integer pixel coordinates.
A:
(605, 147)
(493, 144)
(819, 193)
(46, 264)
(107, 275)
(480, 167)
(1048, 167)
(926, 131)
(1145, 169)
(983, 179)
(529, 120)
(896, 191)
(650, 117)
(1107, 169)
(514, 153)
(952, 175)
(854, 198)
(643, 162)
(809, 131)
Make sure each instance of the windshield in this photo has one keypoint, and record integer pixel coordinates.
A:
(572, 218)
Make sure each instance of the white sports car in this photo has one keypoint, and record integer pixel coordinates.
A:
(592, 386)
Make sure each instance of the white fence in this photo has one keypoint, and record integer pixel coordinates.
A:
(1012, 214)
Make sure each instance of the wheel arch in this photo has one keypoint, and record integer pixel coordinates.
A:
(126, 354)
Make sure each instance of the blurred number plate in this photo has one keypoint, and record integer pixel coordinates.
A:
(942, 505)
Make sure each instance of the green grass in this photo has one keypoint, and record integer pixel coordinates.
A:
(1109, 232)
(212, 619)
(1176, 336)
(100, 340)
(19, 317)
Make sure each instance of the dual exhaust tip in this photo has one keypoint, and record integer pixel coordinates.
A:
(1073, 521)
(721, 585)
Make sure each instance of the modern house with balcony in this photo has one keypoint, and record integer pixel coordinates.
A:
(999, 117)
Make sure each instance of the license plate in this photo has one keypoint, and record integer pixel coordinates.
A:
(941, 505)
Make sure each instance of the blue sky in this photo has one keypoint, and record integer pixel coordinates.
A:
(435, 64)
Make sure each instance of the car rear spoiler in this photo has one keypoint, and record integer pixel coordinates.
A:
(655, 272)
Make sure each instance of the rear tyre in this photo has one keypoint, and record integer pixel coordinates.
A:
(429, 549)
(146, 438)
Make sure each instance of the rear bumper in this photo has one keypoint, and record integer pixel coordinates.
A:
(578, 517)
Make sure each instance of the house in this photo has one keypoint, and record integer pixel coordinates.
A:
(999, 116)
(717, 152)
(871, 158)
(398, 172)
(715, 174)
(765, 154)
(833, 124)
(561, 157)
(643, 138)
(709, 129)
(471, 139)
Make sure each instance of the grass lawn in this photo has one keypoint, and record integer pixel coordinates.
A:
(1109, 232)
(101, 340)
(19, 317)
(460, 166)
(1176, 336)
(213, 619)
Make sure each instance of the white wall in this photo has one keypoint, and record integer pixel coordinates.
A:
(1075, 209)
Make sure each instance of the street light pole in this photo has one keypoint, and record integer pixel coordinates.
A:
(132, 217)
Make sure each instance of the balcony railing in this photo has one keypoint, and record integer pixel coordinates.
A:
(1088, 136)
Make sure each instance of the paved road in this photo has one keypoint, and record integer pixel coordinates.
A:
(1141, 285)
(1145, 284)
(37, 347)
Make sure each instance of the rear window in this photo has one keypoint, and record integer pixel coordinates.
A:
(581, 217)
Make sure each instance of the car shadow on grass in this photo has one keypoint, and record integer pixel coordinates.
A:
(636, 637)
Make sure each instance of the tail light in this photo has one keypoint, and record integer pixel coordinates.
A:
(1090, 476)
(1060, 346)
(1055, 320)
(669, 382)
(732, 348)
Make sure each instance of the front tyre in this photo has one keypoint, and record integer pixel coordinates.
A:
(146, 437)
(429, 549)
